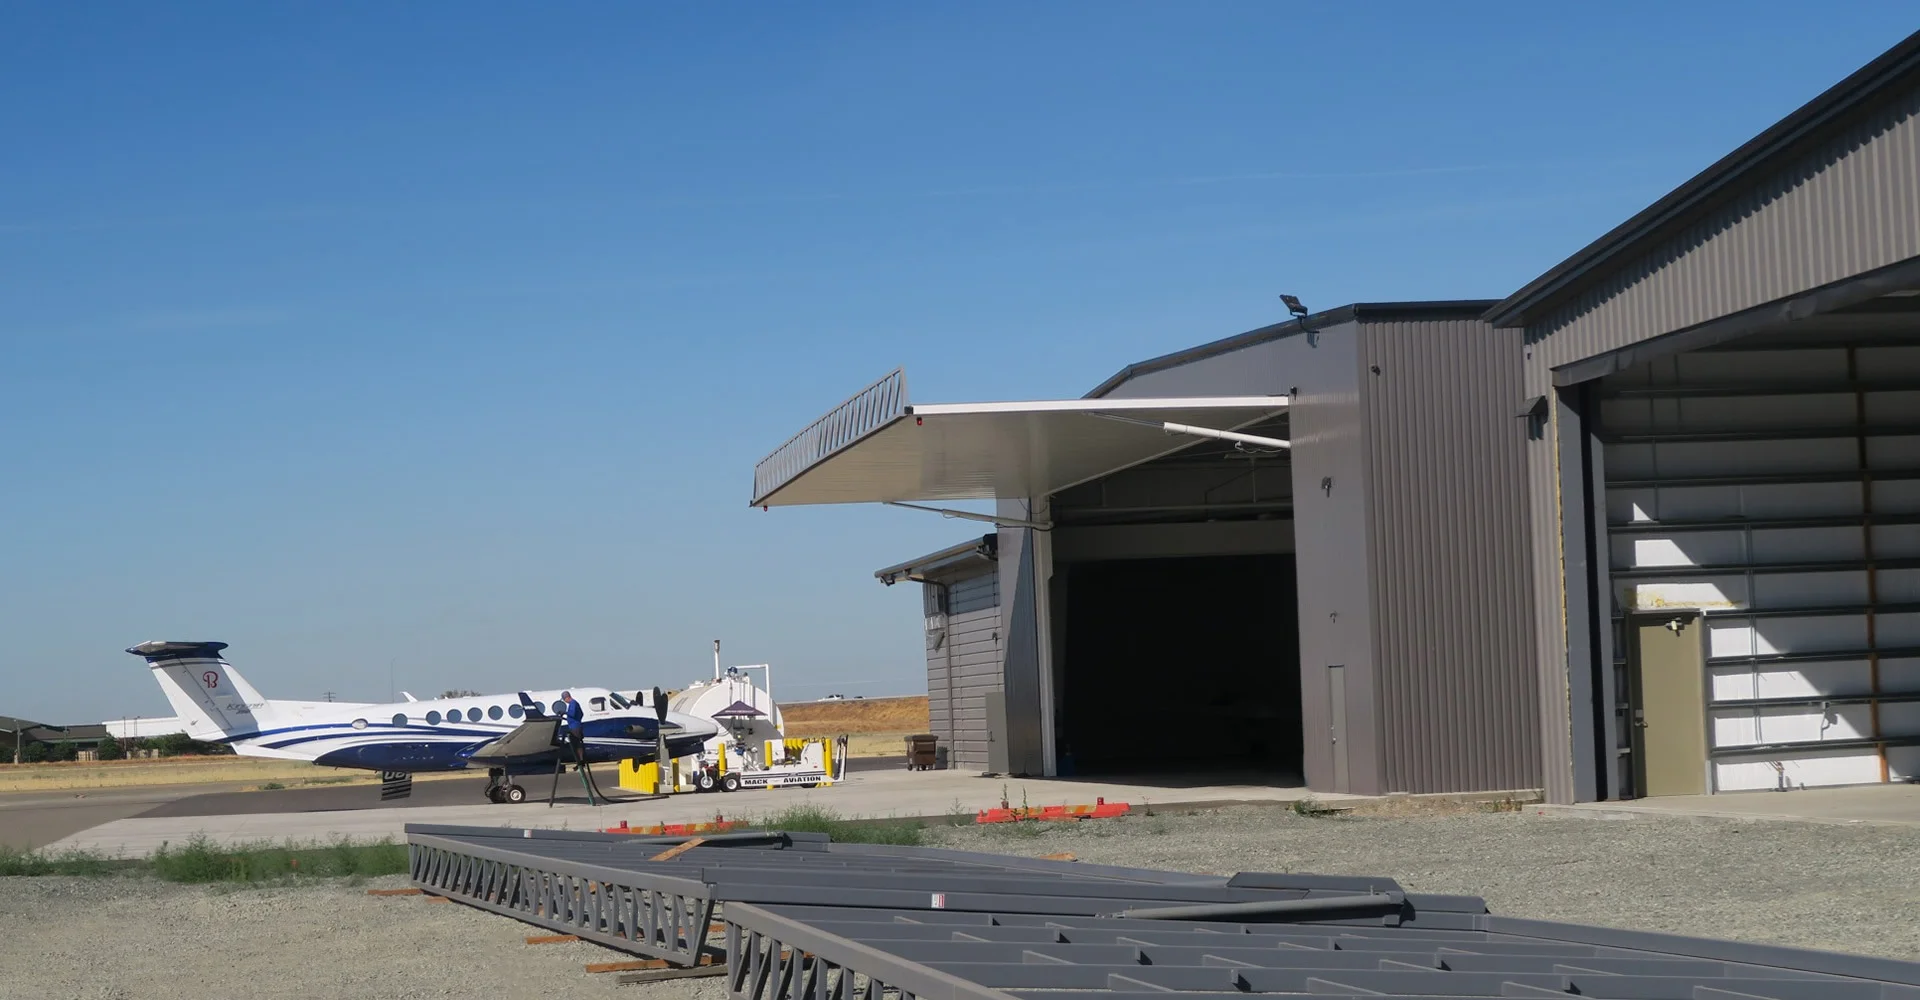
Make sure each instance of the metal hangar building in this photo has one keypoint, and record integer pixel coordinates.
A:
(1650, 525)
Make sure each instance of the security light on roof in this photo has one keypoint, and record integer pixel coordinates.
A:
(1293, 305)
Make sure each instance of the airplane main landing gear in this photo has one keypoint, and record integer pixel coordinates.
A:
(499, 789)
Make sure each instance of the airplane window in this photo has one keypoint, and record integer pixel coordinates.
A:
(400, 719)
(493, 712)
(359, 723)
(619, 702)
(559, 708)
(514, 710)
(433, 718)
(473, 715)
(599, 704)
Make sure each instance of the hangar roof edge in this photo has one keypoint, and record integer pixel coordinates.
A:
(982, 549)
(1460, 308)
(1893, 72)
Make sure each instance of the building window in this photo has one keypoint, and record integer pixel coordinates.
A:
(933, 597)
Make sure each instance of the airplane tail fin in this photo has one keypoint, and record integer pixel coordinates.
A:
(208, 695)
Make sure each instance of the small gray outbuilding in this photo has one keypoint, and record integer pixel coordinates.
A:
(1650, 525)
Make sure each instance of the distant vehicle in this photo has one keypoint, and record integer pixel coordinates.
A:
(509, 735)
(835, 697)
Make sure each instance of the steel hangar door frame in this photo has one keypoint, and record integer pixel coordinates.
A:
(1195, 504)
(1596, 680)
(1597, 647)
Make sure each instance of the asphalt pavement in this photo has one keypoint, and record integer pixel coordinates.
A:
(36, 819)
(30, 820)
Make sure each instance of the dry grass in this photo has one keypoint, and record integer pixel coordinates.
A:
(84, 775)
(857, 717)
(1414, 806)
(875, 745)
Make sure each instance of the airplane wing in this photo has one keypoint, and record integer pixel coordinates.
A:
(528, 741)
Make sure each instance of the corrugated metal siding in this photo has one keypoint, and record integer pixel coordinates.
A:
(964, 667)
(1448, 544)
(1329, 508)
(1851, 207)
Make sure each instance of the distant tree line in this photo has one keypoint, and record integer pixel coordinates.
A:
(170, 745)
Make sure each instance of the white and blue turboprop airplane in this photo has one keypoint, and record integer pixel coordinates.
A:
(509, 735)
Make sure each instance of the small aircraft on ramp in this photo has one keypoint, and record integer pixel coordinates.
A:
(509, 735)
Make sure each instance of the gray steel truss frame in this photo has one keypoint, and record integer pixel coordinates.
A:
(654, 915)
(801, 918)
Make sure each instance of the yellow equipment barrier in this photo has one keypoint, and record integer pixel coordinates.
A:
(782, 758)
(645, 778)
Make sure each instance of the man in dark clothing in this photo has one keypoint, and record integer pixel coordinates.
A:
(573, 719)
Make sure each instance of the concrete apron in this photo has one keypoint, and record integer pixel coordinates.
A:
(1882, 805)
(862, 795)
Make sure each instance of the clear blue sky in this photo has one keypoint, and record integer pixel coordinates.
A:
(443, 337)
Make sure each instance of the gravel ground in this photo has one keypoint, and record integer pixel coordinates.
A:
(1841, 887)
(1844, 888)
(137, 937)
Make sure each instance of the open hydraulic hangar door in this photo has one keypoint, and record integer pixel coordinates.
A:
(876, 447)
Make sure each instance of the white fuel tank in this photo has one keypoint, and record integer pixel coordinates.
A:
(745, 713)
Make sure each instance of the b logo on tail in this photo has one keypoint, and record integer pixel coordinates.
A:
(210, 679)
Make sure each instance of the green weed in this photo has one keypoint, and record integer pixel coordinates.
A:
(201, 860)
(814, 819)
(1312, 808)
(14, 861)
(1022, 829)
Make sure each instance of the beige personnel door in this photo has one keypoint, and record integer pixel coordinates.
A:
(1669, 703)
